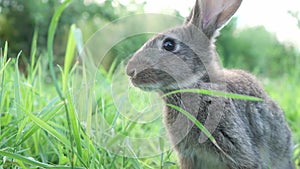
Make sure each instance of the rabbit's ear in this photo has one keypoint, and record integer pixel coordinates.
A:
(210, 15)
(195, 15)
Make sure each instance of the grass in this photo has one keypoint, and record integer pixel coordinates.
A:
(41, 124)
(56, 123)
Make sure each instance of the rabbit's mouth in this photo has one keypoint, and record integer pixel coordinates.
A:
(152, 79)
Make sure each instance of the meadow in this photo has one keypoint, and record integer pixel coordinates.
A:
(50, 119)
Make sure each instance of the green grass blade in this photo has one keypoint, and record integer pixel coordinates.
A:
(33, 162)
(8, 137)
(46, 114)
(51, 34)
(112, 69)
(50, 42)
(69, 57)
(21, 164)
(17, 82)
(75, 127)
(201, 127)
(216, 93)
(23, 159)
(63, 167)
(42, 124)
(5, 51)
(72, 120)
(195, 121)
(17, 93)
(33, 49)
(3, 65)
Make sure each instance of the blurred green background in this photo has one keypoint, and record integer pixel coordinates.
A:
(251, 48)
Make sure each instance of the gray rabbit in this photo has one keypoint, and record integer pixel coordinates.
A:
(248, 134)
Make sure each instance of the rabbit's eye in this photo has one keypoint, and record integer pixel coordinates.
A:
(169, 45)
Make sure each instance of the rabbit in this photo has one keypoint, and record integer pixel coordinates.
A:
(248, 134)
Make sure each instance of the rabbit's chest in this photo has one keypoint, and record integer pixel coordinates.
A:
(199, 157)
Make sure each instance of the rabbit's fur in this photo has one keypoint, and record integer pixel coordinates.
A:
(250, 134)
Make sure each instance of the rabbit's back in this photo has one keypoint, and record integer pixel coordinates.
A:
(263, 122)
(253, 133)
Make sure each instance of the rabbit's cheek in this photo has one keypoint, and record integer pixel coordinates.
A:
(152, 79)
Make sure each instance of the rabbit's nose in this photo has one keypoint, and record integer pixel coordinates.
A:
(131, 72)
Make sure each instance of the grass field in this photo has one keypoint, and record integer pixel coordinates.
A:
(42, 124)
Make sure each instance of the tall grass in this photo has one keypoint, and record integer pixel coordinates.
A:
(40, 126)
(34, 130)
